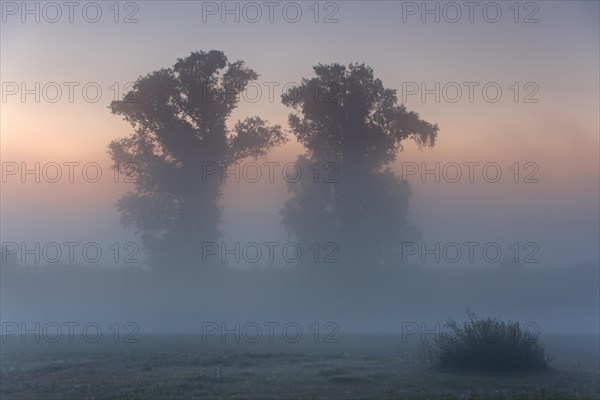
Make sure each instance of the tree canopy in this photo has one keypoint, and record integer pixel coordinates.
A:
(179, 116)
(344, 116)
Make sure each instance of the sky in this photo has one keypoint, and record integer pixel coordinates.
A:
(544, 125)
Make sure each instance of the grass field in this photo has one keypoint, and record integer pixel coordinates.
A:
(359, 366)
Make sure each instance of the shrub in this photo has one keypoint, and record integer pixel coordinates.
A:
(490, 345)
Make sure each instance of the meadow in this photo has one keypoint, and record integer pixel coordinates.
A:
(358, 366)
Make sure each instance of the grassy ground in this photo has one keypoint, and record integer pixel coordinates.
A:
(358, 367)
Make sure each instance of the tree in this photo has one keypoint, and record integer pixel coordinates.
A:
(345, 118)
(180, 136)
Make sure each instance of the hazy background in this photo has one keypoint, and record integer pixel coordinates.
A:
(559, 54)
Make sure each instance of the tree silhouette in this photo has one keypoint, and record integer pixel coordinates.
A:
(180, 136)
(346, 119)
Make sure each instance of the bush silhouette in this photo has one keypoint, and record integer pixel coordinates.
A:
(490, 345)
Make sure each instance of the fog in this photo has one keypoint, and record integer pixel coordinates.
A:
(236, 172)
(561, 300)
